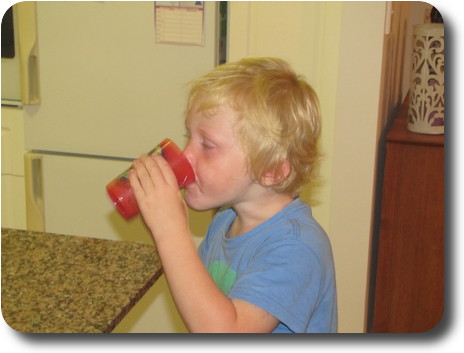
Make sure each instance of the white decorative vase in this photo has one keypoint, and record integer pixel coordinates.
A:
(426, 97)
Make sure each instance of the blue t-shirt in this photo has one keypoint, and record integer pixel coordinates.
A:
(284, 266)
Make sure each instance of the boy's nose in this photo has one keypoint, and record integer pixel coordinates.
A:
(189, 154)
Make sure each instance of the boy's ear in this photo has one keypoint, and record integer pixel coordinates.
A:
(276, 175)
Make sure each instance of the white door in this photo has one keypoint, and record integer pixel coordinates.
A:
(69, 194)
(13, 194)
(107, 87)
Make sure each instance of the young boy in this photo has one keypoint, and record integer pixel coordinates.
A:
(265, 264)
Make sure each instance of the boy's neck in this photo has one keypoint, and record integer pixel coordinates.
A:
(250, 214)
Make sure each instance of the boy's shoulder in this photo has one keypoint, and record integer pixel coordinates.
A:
(293, 230)
(296, 221)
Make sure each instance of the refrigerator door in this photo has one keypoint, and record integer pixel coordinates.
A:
(13, 195)
(107, 86)
(67, 195)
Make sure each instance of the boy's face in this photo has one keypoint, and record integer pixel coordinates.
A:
(219, 162)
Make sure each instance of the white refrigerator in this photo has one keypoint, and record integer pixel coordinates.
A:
(113, 80)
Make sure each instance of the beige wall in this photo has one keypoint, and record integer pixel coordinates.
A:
(338, 47)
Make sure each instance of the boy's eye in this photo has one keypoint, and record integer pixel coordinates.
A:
(207, 144)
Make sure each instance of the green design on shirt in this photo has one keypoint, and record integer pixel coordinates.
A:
(222, 275)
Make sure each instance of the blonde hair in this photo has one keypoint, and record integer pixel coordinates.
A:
(279, 116)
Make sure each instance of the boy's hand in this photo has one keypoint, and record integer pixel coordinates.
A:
(157, 192)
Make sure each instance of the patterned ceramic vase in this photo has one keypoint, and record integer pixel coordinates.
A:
(426, 96)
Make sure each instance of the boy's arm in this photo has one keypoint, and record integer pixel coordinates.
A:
(201, 303)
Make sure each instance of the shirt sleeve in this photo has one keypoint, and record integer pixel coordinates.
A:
(286, 280)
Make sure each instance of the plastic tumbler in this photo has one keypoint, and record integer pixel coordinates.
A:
(120, 191)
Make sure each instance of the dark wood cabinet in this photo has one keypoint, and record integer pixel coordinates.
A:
(407, 293)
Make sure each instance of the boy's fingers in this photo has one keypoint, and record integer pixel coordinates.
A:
(165, 169)
(144, 171)
(135, 183)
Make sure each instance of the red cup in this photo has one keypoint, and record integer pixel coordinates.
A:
(120, 191)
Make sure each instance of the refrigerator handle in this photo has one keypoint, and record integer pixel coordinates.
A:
(35, 212)
(26, 15)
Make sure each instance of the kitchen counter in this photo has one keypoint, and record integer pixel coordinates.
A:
(62, 283)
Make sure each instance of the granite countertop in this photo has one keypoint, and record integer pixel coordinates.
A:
(62, 283)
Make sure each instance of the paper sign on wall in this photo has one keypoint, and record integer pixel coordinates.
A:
(179, 22)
